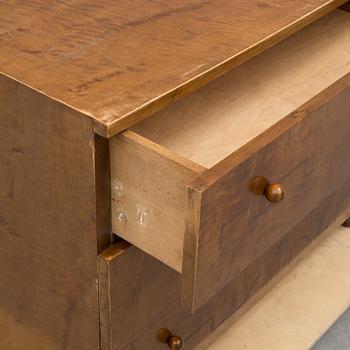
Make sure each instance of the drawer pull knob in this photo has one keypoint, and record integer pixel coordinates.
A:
(347, 223)
(275, 193)
(174, 341)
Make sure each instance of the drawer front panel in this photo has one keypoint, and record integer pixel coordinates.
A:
(140, 295)
(229, 226)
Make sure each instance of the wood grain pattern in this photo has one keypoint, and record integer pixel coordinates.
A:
(142, 295)
(228, 227)
(211, 124)
(223, 116)
(119, 61)
(148, 206)
(48, 232)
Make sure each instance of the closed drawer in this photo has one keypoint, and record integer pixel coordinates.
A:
(190, 185)
(139, 295)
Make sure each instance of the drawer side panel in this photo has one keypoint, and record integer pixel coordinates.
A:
(149, 196)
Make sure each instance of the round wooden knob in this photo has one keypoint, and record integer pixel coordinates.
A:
(275, 193)
(174, 342)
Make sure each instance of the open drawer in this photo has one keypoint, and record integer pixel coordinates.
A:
(212, 182)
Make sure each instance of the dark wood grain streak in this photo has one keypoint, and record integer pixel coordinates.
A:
(120, 61)
(346, 7)
(103, 192)
(103, 200)
(142, 295)
(346, 223)
(48, 234)
(228, 226)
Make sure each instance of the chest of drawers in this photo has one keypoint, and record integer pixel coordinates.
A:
(161, 163)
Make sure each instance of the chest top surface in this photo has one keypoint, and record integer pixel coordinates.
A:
(120, 61)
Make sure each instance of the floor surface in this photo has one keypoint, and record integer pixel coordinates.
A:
(337, 337)
(306, 304)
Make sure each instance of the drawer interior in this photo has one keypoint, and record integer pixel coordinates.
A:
(152, 163)
(212, 123)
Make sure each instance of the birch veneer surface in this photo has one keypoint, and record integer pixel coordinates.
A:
(120, 61)
(300, 309)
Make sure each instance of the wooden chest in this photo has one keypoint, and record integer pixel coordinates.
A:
(161, 162)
